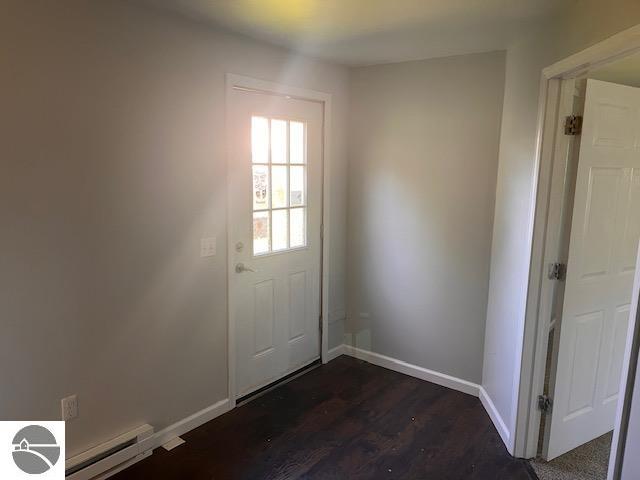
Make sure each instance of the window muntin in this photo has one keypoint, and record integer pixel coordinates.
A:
(278, 152)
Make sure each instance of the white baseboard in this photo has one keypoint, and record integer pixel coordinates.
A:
(496, 418)
(192, 421)
(335, 352)
(413, 370)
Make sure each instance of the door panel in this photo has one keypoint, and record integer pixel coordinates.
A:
(275, 177)
(586, 339)
(599, 233)
(616, 353)
(613, 124)
(263, 316)
(602, 252)
(297, 305)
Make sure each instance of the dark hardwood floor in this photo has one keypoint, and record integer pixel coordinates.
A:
(345, 420)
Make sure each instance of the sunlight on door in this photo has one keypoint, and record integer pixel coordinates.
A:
(278, 151)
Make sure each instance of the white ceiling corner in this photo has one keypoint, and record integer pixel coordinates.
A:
(362, 32)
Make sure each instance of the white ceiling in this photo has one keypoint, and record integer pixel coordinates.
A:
(361, 32)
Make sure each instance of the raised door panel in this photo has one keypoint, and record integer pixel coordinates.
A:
(631, 236)
(599, 233)
(587, 337)
(614, 125)
(616, 352)
(263, 317)
(297, 305)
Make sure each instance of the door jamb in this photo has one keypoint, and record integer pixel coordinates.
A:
(234, 81)
(548, 145)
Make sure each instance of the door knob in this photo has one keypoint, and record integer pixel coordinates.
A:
(241, 268)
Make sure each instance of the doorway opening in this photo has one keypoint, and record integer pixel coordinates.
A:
(599, 243)
(587, 231)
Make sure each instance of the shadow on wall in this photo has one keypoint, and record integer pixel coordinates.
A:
(360, 340)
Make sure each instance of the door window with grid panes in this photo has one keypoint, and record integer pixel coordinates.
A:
(278, 150)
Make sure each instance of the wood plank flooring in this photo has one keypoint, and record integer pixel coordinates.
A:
(345, 420)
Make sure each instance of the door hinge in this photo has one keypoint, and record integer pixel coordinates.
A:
(573, 125)
(557, 271)
(544, 403)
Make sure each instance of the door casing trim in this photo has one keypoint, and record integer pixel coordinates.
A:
(241, 82)
(531, 358)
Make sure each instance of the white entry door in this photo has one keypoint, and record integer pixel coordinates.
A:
(602, 255)
(275, 176)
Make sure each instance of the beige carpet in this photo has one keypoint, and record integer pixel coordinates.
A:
(587, 462)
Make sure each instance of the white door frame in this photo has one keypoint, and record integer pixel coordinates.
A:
(545, 229)
(235, 82)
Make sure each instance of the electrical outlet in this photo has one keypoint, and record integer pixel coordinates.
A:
(69, 407)
(208, 247)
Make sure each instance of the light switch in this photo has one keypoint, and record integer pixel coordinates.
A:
(208, 247)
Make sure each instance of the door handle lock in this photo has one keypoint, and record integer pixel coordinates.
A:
(241, 268)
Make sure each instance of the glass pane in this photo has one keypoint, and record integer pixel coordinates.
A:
(278, 141)
(298, 227)
(297, 186)
(259, 140)
(280, 229)
(297, 142)
(279, 186)
(260, 187)
(260, 232)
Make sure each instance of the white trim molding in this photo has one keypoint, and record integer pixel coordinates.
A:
(620, 45)
(422, 373)
(191, 422)
(495, 417)
(335, 352)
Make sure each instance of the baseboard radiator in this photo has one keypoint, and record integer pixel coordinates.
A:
(111, 457)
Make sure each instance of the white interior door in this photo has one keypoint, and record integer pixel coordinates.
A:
(602, 254)
(275, 220)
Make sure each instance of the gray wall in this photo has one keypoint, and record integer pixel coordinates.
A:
(423, 156)
(583, 23)
(510, 250)
(112, 169)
